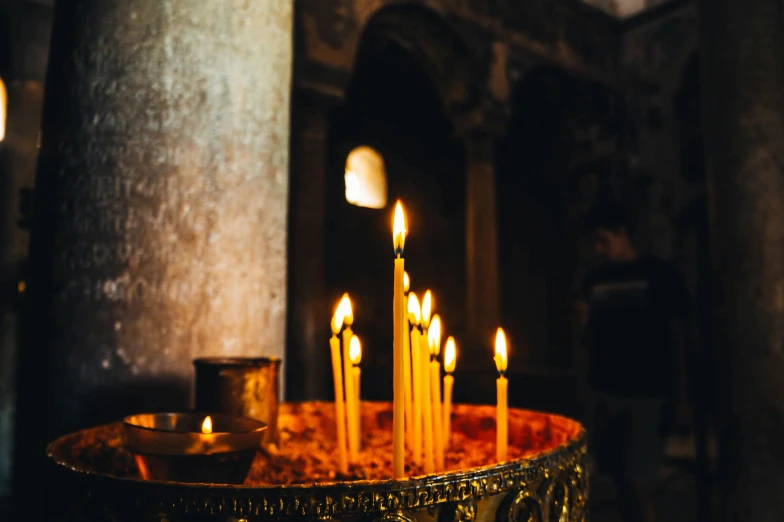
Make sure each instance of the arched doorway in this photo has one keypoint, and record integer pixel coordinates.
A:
(394, 106)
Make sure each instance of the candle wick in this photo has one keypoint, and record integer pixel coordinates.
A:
(502, 373)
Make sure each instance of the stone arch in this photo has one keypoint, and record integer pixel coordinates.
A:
(434, 43)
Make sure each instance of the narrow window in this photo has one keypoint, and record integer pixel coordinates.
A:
(366, 178)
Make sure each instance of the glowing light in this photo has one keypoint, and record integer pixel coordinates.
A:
(348, 310)
(500, 351)
(414, 310)
(355, 351)
(434, 335)
(406, 282)
(337, 319)
(450, 355)
(3, 109)
(399, 229)
(206, 426)
(366, 178)
(427, 308)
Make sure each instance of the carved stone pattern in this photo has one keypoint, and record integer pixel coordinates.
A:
(111, 499)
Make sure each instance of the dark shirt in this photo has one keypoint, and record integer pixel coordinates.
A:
(633, 349)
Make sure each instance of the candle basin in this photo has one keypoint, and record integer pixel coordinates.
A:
(171, 446)
(96, 478)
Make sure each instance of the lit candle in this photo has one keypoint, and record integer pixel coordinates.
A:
(427, 309)
(355, 352)
(414, 316)
(427, 406)
(434, 341)
(398, 312)
(409, 404)
(206, 426)
(351, 414)
(502, 409)
(450, 358)
(337, 376)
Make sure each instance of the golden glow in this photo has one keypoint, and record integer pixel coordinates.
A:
(337, 319)
(427, 308)
(399, 229)
(414, 311)
(406, 282)
(206, 426)
(450, 355)
(500, 350)
(366, 178)
(434, 335)
(21, 286)
(348, 310)
(355, 350)
(3, 109)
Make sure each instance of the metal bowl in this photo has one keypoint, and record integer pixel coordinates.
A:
(172, 447)
(550, 485)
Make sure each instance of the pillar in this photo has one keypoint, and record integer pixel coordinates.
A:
(742, 49)
(481, 240)
(161, 203)
(27, 26)
(309, 312)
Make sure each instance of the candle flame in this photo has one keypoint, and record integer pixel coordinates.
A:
(355, 350)
(406, 282)
(337, 319)
(399, 229)
(414, 310)
(450, 355)
(348, 311)
(206, 426)
(434, 335)
(427, 308)
(500, 351)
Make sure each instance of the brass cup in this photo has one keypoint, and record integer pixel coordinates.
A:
(172, 447)
(245, 386)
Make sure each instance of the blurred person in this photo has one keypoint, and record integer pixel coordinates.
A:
(637, 314)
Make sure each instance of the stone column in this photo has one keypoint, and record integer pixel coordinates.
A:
(27, 25)
(161, 202)
(309, 312)
(742, 49)
(481, 239)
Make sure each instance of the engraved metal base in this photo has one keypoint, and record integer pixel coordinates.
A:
(549, 486)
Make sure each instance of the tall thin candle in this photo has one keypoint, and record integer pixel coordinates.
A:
(407, 368)
(434, 342)
(351, 413)
(355, 352)
(502, 386)
(427, 406)
(450, 358)
(398, 311)
(415, 317)
(337, 376)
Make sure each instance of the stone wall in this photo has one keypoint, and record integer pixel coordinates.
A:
(25, 51)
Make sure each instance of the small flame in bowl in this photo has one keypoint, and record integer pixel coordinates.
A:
(206, 426)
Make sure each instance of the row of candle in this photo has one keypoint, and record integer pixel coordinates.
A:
(422, 389)
(421, 421)
(413, 387)
(346, 376)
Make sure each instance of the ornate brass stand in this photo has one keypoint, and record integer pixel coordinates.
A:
(550, 486)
